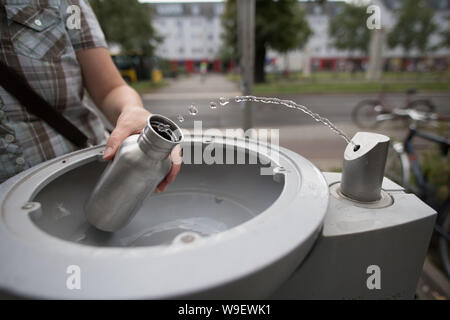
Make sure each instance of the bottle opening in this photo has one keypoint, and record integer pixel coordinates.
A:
(165, 129)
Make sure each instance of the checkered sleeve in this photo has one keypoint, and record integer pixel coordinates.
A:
(86, 34)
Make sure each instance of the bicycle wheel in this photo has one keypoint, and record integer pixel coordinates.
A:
(365, 114)
(444, 247)
(397, 165)
(422, 105)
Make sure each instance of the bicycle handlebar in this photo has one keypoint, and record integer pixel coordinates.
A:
(428, 136)
(416, 115)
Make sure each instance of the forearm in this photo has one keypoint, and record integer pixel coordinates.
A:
(117, 100)
(108, 90)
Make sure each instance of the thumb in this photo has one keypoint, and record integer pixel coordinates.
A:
(115, 140)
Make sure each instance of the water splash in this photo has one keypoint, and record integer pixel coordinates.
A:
(61, 212)
(293, 105)
(193, 110)
(180, 118)
(223, 101)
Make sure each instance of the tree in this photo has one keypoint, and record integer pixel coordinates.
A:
(414, 27)
(127, 23)
(348, 29)
(279, 24)
(445, 35)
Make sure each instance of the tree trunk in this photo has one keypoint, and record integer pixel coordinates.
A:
(260, 60)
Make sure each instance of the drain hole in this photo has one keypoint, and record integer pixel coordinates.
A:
(357, 148)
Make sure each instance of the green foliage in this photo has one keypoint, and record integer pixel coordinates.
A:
(349, 29)
(414, 26)
(445, 34)
(436, 170)
(229, 49)
(128, 23)
(279, 24)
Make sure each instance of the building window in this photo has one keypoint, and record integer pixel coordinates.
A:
(195, 9)
(218, 9)
(169, 9)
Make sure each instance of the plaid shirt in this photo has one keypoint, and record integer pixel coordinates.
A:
(36, 41)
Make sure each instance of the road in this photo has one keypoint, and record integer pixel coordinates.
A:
(176, 99)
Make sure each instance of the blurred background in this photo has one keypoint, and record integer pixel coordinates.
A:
(378, 65)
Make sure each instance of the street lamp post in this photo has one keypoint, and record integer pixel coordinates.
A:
(246, 38)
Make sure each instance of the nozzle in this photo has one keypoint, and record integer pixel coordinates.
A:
(364, 164)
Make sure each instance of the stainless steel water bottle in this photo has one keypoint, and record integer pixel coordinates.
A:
(139, 166)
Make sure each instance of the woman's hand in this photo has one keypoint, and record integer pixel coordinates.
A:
(131, 121)
(119, 103)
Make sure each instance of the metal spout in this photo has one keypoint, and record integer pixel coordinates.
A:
(364, 164)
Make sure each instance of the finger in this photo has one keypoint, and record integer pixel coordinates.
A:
(176, 155)
(173, 173)
(163, 186)
(114, 142)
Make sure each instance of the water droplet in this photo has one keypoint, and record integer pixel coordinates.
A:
(180, 118)
(193, 110)
(213, 105)
(61, 212)
(293, 105)
(223, 101)
(81, 237)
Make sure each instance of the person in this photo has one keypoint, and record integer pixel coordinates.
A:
(60, 61)
(203, 71)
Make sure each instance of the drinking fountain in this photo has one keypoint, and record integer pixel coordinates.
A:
(221, 231)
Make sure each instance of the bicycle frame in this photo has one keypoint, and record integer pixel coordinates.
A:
(415, 165)
(388, 107)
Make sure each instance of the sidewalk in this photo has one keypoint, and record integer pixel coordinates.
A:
(192, 87)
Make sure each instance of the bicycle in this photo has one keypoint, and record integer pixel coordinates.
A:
(368, 114)
(403, 166)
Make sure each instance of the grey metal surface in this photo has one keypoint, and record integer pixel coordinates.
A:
(394, 239)
(266, 230)
(139, 166)
(363, 168)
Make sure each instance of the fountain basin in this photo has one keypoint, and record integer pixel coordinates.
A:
(220, 231)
